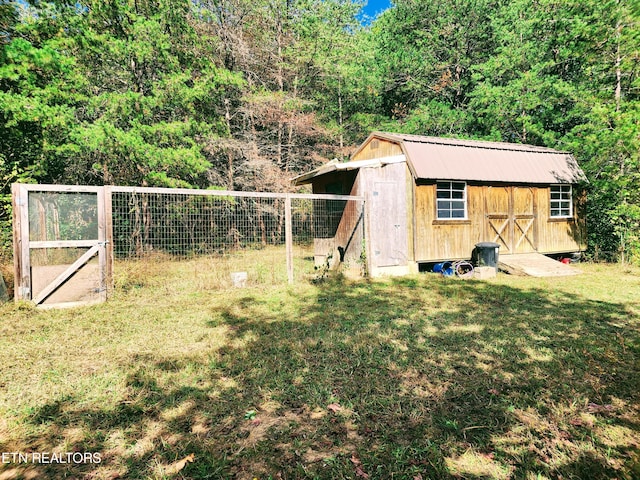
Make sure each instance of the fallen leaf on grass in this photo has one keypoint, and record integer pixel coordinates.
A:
(361, 473)
(358, 464)
(180, 464)
(334, 407)
(586, 421)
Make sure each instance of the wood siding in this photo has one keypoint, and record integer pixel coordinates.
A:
(446, 239)
(378, 148)
(562, 234)
(515, 217)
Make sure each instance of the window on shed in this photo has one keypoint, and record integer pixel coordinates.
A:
(451, 200)
(561, 201)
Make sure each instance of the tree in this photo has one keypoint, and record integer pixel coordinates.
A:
(276, 126)
(156, 101)
(529, 90)
(608, 141)
(427, 49)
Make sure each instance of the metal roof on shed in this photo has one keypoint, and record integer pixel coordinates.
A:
(434, 158)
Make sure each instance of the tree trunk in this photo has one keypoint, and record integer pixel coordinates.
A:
(618, 89)
(340, 116)
(227, 117)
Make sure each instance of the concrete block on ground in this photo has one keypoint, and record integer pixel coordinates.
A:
(484, 273)
(239, 279)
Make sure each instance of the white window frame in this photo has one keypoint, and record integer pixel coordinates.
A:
(452, 197)
(561, 201)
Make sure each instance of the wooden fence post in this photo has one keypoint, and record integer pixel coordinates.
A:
(108, 238)
(21, 258)
(288, 235)
(17, 253)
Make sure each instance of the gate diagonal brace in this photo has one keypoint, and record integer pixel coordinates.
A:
(64, 276)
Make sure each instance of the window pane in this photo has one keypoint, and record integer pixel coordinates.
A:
(451, 199)
(555, 196)
(555, 213)
(555, 204)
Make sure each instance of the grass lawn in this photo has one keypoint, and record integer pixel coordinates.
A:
(421, 377)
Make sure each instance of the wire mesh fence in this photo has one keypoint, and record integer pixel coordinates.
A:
(60, 216)
(72, 241)
(237, 238)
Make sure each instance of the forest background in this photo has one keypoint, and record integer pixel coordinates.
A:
(245, 94)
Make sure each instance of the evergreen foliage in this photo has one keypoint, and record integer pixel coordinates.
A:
(244, 94)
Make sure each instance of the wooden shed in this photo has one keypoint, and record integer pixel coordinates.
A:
(431, 199)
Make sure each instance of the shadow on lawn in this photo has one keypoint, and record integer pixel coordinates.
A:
(411, 378)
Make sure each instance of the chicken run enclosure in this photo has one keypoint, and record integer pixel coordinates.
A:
(70, 242)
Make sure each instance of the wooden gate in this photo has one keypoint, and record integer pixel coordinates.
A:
(510, 214)
(60, 244)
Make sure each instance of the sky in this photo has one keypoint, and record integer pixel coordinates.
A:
(373, 7)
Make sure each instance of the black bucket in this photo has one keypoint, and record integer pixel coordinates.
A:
(486, 255)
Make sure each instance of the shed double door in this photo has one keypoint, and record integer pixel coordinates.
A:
(510, 218)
